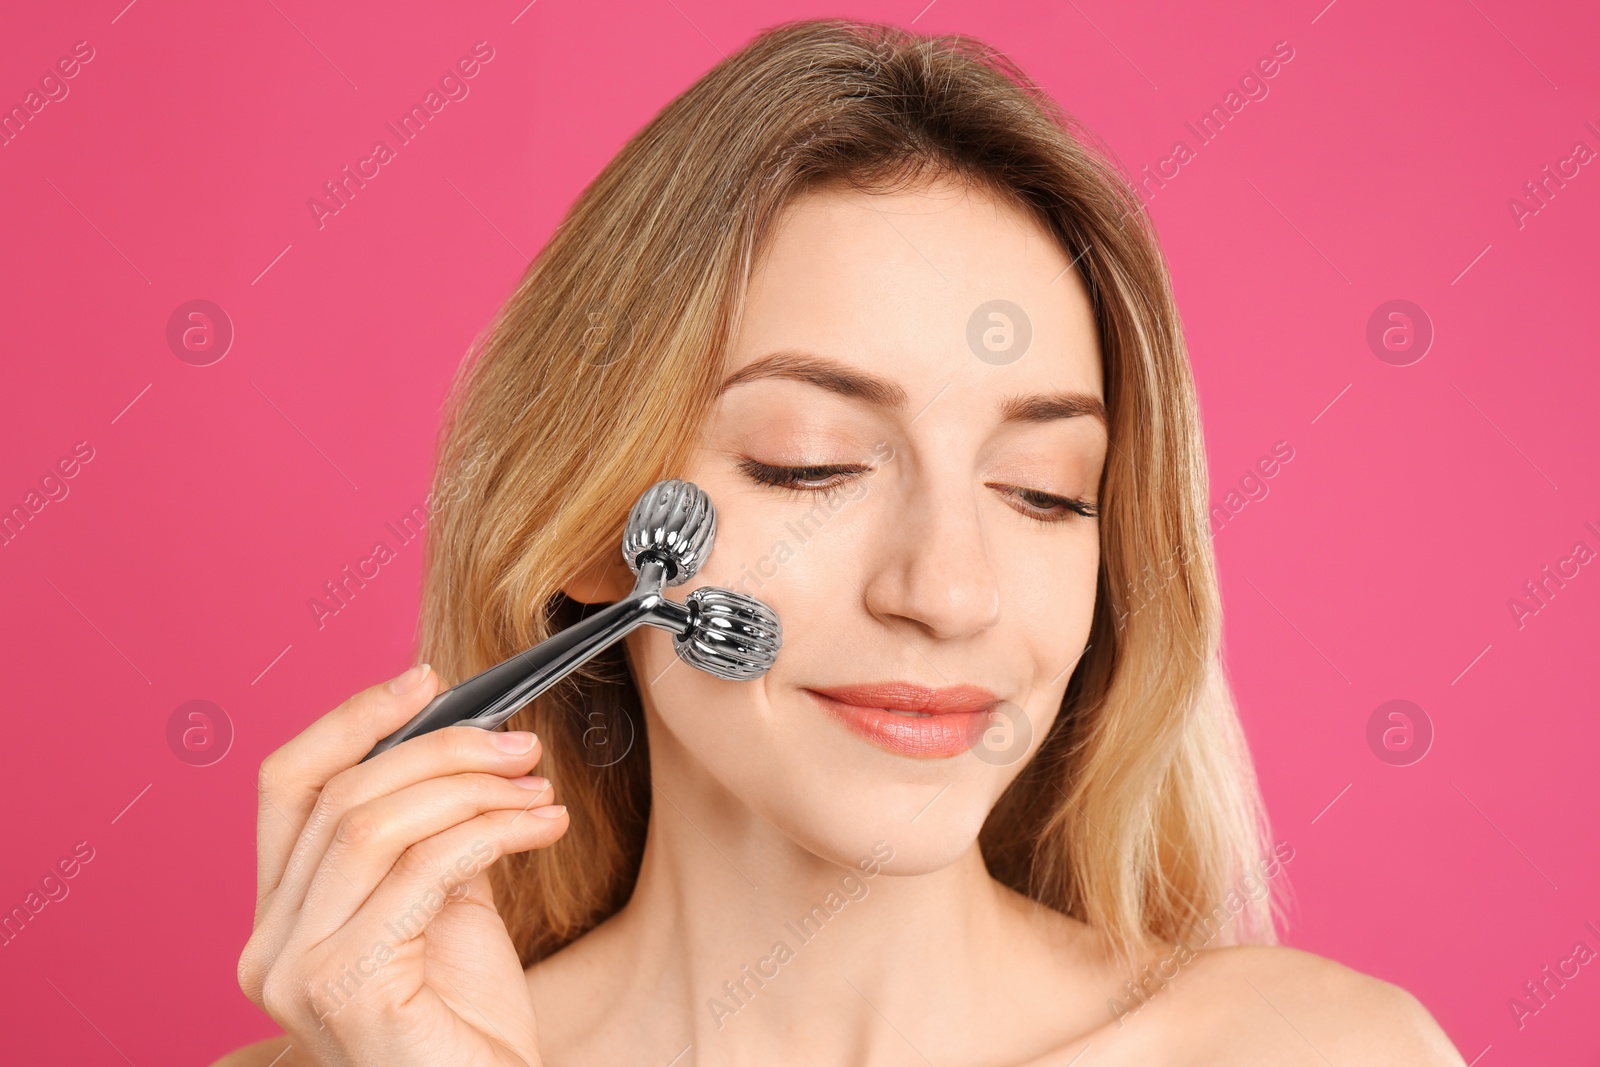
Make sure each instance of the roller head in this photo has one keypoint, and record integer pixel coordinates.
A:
(675, 522)
(730, 635)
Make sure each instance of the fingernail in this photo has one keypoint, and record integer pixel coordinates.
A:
(551, 811)
(409, 680)
(533, 782)
(516, 741)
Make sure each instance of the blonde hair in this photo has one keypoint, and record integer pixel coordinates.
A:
(1140, 810)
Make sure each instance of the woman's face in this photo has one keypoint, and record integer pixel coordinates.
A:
(928, 357)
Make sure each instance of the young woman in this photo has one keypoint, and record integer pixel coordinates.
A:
(914, 337)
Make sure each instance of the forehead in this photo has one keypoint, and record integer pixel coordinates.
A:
(922, 286)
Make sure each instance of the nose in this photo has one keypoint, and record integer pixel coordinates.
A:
(933, 567)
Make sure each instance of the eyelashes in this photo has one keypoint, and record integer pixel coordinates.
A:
(1075, 505)
(793, 480)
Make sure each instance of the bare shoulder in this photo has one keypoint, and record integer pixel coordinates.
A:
(1286, 1005)
(273, 1052)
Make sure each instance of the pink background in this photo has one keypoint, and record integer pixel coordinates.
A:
(220, 498)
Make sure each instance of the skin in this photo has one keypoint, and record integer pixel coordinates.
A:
(933, 563)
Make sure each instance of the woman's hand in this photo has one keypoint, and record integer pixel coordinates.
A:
(376, 936)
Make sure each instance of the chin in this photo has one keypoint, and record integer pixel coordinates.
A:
(843, 817)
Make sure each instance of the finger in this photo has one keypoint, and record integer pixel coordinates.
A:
(426, 876)
(372, 837)
(437, 754)
(292, 777)
(441, 753)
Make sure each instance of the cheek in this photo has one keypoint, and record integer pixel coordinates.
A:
(1048, 590)
(706, 714)
(719, 723)
(1048, 602)
(802, 558)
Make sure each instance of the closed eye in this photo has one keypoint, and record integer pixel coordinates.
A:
(1037, 499)
(800, 482)
(795, 480)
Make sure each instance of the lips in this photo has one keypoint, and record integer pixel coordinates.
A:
(910, 719)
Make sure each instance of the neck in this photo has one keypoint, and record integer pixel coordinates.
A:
(751, 938)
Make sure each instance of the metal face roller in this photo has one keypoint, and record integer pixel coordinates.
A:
(668, 536)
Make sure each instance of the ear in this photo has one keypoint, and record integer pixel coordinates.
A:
(605, 582)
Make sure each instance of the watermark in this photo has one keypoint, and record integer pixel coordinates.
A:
(808, 525)
(1007, 737)
(607, 737)
(1213, 122)
(199, 332)
(1542, 190)
(738, 993)
(53, 887)
(1542, 990)
(453, 485)
(53, 488)
(1143, 590)
(1399, 732)
(784, 159)
(1399, 332)
(341, 191)
(607, 338)
(339, 592)
(1540, 591)
(1252, 486)
(999, 332)
(338, 992)
(53, 88)
(1158, 974)
(869, 75)
(199, 732)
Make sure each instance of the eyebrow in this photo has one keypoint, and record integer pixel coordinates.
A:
(879, 392)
